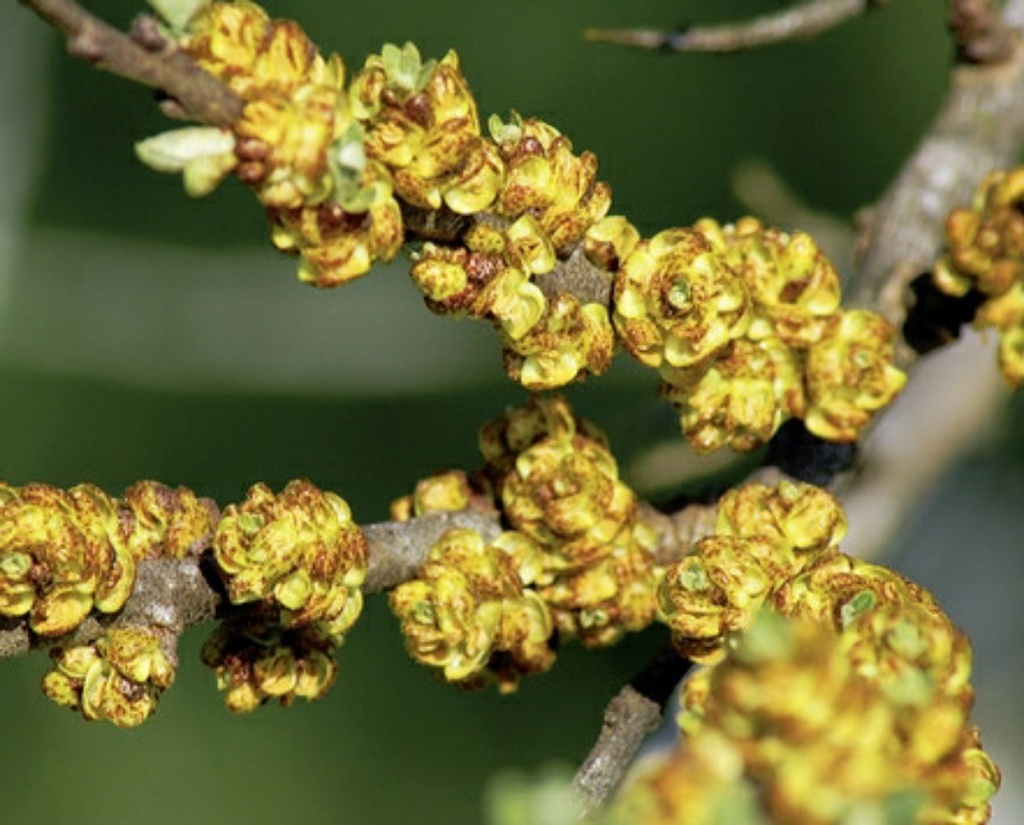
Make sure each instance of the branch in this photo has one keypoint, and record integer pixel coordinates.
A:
(633, 714)
(800, 22)
(175, 594)
(979, 128)
(144, 57)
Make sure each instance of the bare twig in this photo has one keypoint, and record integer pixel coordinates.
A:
(145, 59)
(633, 714)
(800, 22)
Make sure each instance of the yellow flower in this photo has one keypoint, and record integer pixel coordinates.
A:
(850, 375)
(677, 302)
(568, 341)
(61, 554)
(160, 521)
(445, 492)
(545, 179)
(614, 594)
(793, 286)
(799, 520)
(335, 245)
(714, 590)
(422, 124)
(119, 678)
(255, 661)
(565, 494)
(986, 242)
(738, 398)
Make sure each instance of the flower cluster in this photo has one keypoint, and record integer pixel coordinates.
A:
(64, 553)
(118, 678)
(891, 691)
(764, 536)
(986, 254)
(298, 143)
(503, 266)
(794, 730)
(577, 555)
(256, 660)
(298, 560)
(744, 326)
(336, 166)
(742, 322)
(468, 613)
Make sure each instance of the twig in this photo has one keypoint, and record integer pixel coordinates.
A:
(173, 593)
(799, 22)
(979, 128)
(146, 59)
(633, 714)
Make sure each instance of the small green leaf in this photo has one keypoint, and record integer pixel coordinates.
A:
(178, 13)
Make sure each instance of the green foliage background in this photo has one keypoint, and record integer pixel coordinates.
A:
(145, 335)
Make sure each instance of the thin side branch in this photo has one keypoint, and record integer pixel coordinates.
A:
(797, 23)
(147, 59)
(634, 713)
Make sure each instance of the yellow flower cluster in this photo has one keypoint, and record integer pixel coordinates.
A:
(577, 554)
(794, 730)
(257, 660)
(299, 143)
(332, 164)
(298, 552)
(764, 536)
(986, 253)
(895, 665)
(894, 634)
(119, 678)
(295, 562)
(64, 553)
(557, 483)
(545, 199)
(468, 613)
(744, 326)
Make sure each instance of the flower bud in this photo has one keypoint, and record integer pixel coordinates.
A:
(299, 550)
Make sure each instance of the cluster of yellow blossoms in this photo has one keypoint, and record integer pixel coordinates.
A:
(744, 326)
(118, 678)
(577, 559)
(257, 660)
(69, 554)
(864, 699)
(65, 553)
(295, 563)
(986, 253)
(793, 729)
(743, 323)
(292, 566)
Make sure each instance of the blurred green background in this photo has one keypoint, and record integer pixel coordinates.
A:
(144, 335)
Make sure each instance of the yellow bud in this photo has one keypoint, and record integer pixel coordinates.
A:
(850, 375)
(677, 302)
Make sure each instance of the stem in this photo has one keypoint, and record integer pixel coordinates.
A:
(799, 22)
(979, 128)
(148, 59)
(632, 714)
